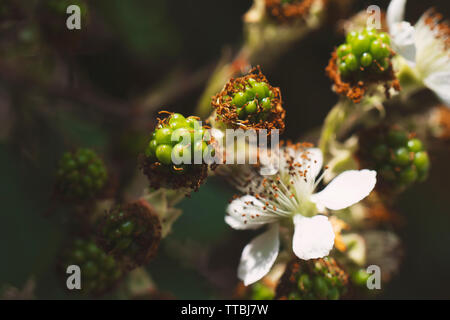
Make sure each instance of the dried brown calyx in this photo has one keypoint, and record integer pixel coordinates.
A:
(357, 86)
(159, 176)
(250, 102)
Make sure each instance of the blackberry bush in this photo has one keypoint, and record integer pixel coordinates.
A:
(314, 279)
(398, 156)
(99, 271)
(81, 175)
(177, 153)
(250, 102)
(131, 233)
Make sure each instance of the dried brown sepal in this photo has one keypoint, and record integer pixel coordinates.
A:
(289, 12)
(289, 281)
(227, 113)
(146, 236)
(355, 88)
(161, 176)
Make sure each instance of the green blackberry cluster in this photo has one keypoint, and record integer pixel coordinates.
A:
(131, 233)
(364, 53)
(399, 158)
(99, 271)
(179, 138)
(260, 291)
(320, 279)
(253, 97)
(81, 175)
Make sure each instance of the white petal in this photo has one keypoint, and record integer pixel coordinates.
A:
(313, 237)
(259, 256)
(315, 154)
(395, 12)
(403, 41)
(311, 160)
(439, 82)
(346, 189)
(247, 213)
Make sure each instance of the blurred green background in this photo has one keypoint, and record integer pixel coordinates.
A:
(133, 47)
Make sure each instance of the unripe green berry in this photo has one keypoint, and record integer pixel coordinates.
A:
(251, 107)
(192, 122)
(401, 157)
(384, 37)
(397, 138)
(366, 59)
(164, 153)
(261, 292)
(360, 44)
(415, 145)
(241, 113)
(153, 144)
(379, 50)
(250, 92)
(182, 135)
(164, 136)
(343, 50)
(239, 99)
(178, 123)
(304, 282)
(261, 90)
(408, 175)
(360, 277)
(266, 104)
(343, 69)
(421, 160)
(351, 36)
(320, 287)
(351, 62)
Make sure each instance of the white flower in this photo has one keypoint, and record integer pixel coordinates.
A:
(288, 200)
(425, 46)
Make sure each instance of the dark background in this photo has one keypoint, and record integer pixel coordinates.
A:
(139, 43)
